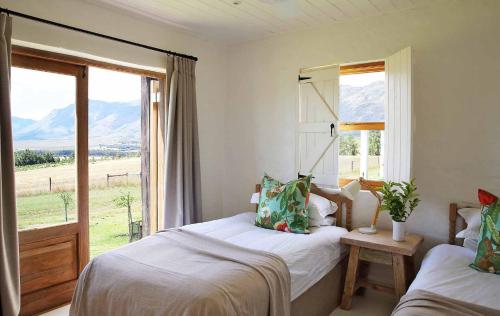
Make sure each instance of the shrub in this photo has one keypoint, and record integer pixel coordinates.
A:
(30, 157)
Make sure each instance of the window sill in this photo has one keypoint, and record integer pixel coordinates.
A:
(366, 185)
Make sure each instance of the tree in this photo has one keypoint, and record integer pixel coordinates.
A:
(67, 199)
(29, 157)
(374, 145)
(126, 200)
(349, 146)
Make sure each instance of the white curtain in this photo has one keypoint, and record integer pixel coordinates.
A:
(9, 248)
(182, 191)
(398, 114)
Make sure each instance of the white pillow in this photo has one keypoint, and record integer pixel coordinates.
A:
(471, 244)
(472, 217)
(329, 221)
(255, 198)
(319, 208)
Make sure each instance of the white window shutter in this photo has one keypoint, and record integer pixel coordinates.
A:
(317, 146)
(398, 117)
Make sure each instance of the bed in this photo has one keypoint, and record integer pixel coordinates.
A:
(445, 284)
(227, 266)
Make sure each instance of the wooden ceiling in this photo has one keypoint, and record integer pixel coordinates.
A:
(253, 19)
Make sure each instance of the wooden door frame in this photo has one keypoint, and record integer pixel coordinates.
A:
(57, 294)
(42, 60)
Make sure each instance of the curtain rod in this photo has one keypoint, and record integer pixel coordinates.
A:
(69, 27)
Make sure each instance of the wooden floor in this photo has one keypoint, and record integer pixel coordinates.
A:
(372, 303)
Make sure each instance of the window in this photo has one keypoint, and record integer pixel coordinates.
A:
(362, 122)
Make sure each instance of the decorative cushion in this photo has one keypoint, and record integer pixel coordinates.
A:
(283, 207)
(488, 247)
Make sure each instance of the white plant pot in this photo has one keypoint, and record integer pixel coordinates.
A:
(398, 231)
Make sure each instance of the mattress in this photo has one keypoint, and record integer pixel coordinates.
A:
(445, 271)
(309, 257)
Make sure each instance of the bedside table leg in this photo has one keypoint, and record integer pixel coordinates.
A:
(398, 266)
(350, 282)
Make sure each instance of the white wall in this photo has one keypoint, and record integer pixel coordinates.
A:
(456, 104)
(210, 71)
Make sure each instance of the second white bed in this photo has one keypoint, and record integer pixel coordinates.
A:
(309, 257)
(445, 271)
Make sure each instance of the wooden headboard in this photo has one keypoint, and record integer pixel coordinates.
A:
(344, 204)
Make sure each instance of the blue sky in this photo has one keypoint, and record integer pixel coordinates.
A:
(36, 93)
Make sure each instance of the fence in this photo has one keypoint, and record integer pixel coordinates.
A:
(59, 183)
(127, 174)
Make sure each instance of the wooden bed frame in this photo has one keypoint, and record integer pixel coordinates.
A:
(456, 220)
(344, 204)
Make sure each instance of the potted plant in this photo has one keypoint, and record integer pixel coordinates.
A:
(400, 199)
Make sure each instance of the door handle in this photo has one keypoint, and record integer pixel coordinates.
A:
(332, 127)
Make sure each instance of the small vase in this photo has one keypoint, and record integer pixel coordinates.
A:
(398, 231)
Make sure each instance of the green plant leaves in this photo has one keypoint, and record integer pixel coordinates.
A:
(399, 199)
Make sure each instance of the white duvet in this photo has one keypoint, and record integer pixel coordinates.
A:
(308, 257)
(445, 271)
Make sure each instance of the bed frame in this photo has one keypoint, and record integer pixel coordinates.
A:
(344, 204)
(456, 221)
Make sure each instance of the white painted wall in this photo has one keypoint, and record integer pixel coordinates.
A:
(456, 104)
(210, 71)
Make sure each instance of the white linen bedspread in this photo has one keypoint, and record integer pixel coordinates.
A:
(445, 271)
(309, 257)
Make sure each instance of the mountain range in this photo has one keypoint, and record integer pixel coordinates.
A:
(112, 123)
(362, 104)
(109, 123)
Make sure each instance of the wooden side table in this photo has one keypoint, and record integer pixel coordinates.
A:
(379, 248)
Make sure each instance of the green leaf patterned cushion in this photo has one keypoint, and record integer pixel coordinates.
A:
(488, 248)
(284, 206)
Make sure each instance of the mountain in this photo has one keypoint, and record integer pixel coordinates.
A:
(109, 123)
(362, 104)
(112, 123)
(18, 123)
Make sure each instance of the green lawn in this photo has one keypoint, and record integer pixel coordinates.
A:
(108, 223)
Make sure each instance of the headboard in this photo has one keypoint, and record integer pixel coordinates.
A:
(344, 204)
(456, 221)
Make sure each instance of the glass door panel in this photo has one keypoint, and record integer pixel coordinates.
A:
(114, 159)
(43, 124)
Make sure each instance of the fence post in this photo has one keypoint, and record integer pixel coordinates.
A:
(127, 177)
(107, 179)
(50, 184)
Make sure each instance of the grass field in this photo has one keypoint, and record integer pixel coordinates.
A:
(108, 223)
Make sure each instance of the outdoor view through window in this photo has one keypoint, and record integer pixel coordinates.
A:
(43, 116)
(114, 159)
(361, 101)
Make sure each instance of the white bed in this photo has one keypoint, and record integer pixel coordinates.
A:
(309, 257)
(445, 271)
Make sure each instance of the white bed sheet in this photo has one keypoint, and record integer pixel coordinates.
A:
(308, 257)
(445, 271)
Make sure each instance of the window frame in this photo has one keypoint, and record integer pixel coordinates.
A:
(355, 69)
